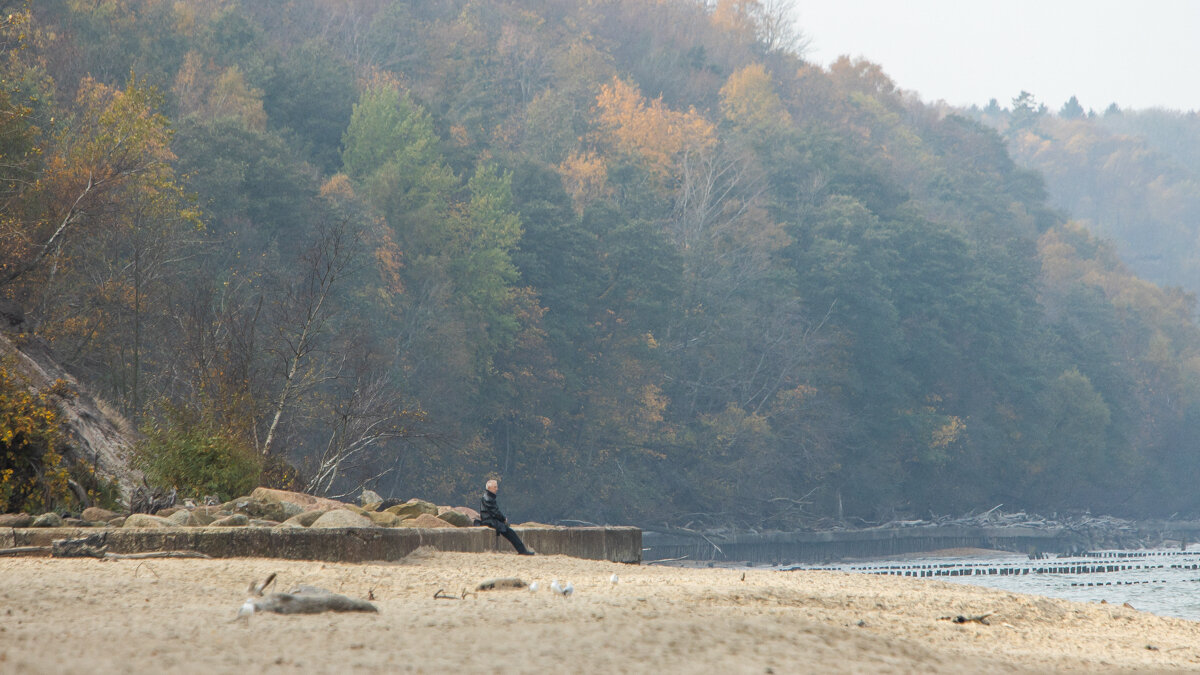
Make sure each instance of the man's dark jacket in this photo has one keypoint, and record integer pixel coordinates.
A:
(489, 512)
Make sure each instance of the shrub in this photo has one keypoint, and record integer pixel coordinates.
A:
(33, 477)
(196, 456)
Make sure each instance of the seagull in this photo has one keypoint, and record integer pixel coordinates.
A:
(246, 610)
(613, 579)
(533, 587)
(568, 590)
(555, 587)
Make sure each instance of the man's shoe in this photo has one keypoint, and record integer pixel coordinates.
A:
(529, 551)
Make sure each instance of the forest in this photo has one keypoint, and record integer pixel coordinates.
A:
(641, 260)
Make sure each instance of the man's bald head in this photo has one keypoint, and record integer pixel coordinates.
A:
(492, 485)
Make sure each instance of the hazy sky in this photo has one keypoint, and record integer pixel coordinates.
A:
(1137, 53)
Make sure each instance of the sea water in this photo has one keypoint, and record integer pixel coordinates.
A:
(1163, 582)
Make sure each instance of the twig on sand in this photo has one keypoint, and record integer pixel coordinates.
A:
(441, 594)
(667, 560)
(982, 618)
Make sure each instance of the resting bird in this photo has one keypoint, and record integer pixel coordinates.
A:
(613, 579)
(533, 587)
(555, 587)
(568, 590)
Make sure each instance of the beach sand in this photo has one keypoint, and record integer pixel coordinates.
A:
(178, 616)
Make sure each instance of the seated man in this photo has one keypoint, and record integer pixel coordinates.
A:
(490, 515)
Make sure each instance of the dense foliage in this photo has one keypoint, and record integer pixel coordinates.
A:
(639, 258)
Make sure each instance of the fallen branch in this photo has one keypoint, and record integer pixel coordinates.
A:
(25, 550)
(441, 594)
(155, 554)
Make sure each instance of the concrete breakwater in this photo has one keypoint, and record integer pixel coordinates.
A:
(777, 548)
(349, 544)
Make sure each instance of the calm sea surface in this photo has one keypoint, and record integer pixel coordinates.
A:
(1164, 582)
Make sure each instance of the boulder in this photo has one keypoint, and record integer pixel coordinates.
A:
(97, 514)
(190, 518)
(77, 522)
(305, 519)
(307, 502)
(413, 509)
(384, 519)
(369, 497)
(341, 518)
(424, 520)
(235, 520)
(373, 506)
(166, 513)
(47, 520)
(15, 520)
(455, 518)
(466, 511)
(180, 518)
(119, 521)
(262, 522)
(263, 509)
(146, 520)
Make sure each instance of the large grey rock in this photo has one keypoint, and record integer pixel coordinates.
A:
(235, 520)
(455, 518)
(262, 508)
(190, 518)
(413, 509)
(369, 497)
(342, 518)
(15, 520)
(47, 520)
(424, 520)
(307, 502)
(146, 520)
(384, 519)
(305, 519)
(96, 514)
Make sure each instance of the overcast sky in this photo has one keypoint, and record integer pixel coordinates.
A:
(1136, 53)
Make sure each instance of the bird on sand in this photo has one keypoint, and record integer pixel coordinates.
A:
(613, 579)
(533, 587)
(555, 587)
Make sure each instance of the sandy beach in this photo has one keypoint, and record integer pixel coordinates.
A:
(178, 616)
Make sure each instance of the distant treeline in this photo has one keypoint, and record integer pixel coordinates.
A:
(640, 259)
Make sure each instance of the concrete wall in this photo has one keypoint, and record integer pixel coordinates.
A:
(618, 544)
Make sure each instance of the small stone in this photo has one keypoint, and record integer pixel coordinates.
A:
(16, 520)
(47, 520)
(235, 520)
(146, 520)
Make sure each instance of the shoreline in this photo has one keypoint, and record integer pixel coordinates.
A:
(74, 615)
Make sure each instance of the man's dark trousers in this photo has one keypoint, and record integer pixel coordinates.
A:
(508, 533)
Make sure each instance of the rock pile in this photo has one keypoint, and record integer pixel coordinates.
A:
(265, 507)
